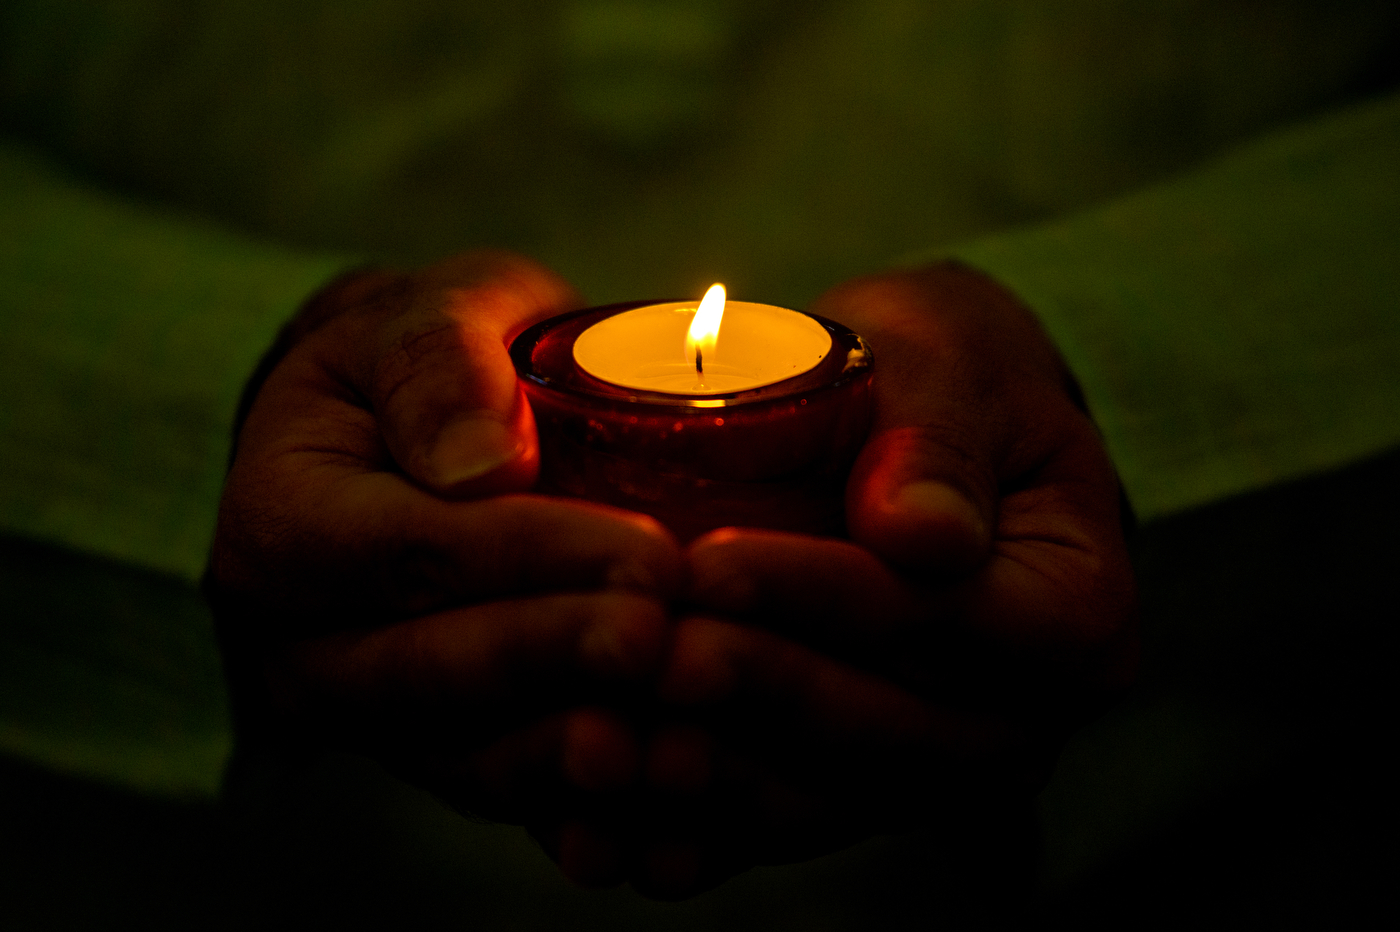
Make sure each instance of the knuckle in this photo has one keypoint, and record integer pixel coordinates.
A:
(950, 447)
(950, 438)
(874, 300)
(621, 634)
(409, 354)
(498, 285)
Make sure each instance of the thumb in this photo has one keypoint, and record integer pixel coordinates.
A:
(924, 491)
(443, 387)
(920, 499)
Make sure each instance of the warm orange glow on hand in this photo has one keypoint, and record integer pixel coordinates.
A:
(704, 329)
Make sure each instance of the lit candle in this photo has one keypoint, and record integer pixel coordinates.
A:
(701, 416)
(676, 347)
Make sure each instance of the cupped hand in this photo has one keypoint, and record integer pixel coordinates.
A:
(987, 486)
(983, 608)
(381, 580)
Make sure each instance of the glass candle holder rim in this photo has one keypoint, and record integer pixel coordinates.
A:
(523, 346)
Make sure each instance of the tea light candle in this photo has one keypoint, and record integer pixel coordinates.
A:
(675, 347)
(701, 416)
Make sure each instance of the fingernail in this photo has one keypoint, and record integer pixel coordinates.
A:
(469, 448)
(941, 503)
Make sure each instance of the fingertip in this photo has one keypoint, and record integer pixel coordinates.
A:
(653, 564)
(699, 669)
(926, 524)
(946, 516)
(719, 575)
(600, 751)
(466, 451)
(482, 452)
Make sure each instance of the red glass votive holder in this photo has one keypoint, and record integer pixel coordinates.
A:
(772, 457)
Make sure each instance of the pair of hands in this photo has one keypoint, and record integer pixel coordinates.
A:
(659, 713)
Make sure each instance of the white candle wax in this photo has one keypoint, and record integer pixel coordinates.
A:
(645, 348)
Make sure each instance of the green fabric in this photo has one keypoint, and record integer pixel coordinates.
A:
(109, 673)
(128, 336)
(129, 333)
(1238, 327)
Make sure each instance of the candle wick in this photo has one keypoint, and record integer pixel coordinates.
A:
(699, 362)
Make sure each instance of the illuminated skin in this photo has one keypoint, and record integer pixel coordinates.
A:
(656, 715)
(391, 609)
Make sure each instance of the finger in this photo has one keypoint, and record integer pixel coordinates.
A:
(313, 519)
(829, 746)
(730, 807)
(601, 752)
(337, 546)
(817, 590)
(512, 779)
(531, 774)
(786, 690)
(958, 357)
(465, 677)
(1058, 598)
(922, 499)
(438, 375)
(1056, 591)
(1052, 601)
(513, 545)
(591, 749)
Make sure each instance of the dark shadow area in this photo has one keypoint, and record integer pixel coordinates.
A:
(1269, 627)
(74, 855)
(1242, 784)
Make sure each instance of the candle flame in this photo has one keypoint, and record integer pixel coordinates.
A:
(704, 329)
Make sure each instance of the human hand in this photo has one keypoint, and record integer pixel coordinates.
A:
(984, 607)
(987, 485)
(378, 577)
